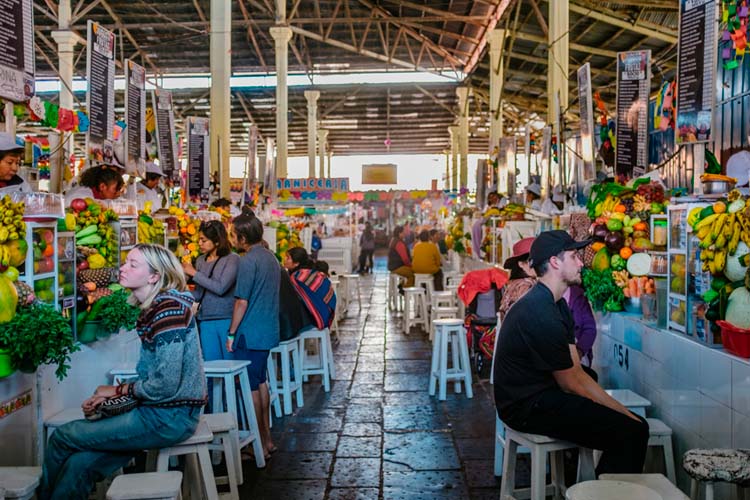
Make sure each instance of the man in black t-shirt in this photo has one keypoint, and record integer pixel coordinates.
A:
(540, 387)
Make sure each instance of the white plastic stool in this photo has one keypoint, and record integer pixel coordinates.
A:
(395, 299)
(415, 308)
(656, 482)
(538, 446)
(441, 312)
(274, 401)
(348, 280)
(223, 373)
(197, 444)
(146, 486)
(450, 331)
(288, 351)
(660, 435)
(20, 482)
(426, 281)
(224, 428)
(339, 307)
(443, 299)
(123, 373)
(451, 278)
(323, 363)
(610, 490)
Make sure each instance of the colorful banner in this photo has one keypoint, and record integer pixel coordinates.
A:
(586, 110)
(696, 69)
(633, 88)
(198, 156)
(17, 64)
(313, 184)
(380, 174)
(135, 117)
(165, 132)
(100, 96)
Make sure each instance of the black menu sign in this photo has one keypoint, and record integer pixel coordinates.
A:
(696, 64)
(165, 131)
(633, 86)
(586, 107)
(16, 50)
(198, 156)
(100, 96)
(135, 113)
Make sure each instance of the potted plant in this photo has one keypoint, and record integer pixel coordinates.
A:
(115, 312)
(38, 334)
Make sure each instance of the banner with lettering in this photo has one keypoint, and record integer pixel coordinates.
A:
(17, 50)
(100, 96)
(586, 109)
(313, 190)
(135, 117)
(198, 156)
(631, 130)
(165, 132)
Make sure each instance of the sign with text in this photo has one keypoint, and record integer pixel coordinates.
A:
(313, 184)
(633, 87)
(198, 156)
(165, 131)
(696, 67)
(100, 96)
(380, 174)
(135, 115)
(17, 50)
(586, 107)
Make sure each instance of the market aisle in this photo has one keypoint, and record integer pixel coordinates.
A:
(378, 434)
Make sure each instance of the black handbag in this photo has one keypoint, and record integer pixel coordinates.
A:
(111, 407)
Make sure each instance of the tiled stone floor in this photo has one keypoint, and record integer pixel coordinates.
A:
(377, 433)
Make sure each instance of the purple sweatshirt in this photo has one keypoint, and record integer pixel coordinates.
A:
(583, 317)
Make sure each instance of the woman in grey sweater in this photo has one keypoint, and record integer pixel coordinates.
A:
(214, 275)
(170, 389)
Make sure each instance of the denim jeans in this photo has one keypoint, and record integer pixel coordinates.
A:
(213, 334)
(81, 453)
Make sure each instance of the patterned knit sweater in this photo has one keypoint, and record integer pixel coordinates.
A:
(170, 368)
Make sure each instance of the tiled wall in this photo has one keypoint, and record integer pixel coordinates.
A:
(703, 394)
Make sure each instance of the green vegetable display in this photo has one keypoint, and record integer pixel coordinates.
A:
(602, 291)
(37, 335)
(115, 312)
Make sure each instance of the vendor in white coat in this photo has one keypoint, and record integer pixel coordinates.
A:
(534, 196)
(101, 182)
(10, 161)
(146, 189)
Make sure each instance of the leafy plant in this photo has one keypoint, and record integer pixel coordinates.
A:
(116, 313)
(602, 291)
(38, 335)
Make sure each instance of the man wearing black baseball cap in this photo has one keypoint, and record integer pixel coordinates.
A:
(540, 387)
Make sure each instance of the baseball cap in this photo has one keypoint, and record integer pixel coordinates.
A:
(8, 142)
(534, 188)
(557, 194)
(520, 252)
(551, 243)
(153, 168)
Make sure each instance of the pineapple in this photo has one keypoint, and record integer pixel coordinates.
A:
(25, 293)
(588, 256)
(100, 277)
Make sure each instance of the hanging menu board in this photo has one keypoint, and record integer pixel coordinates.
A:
(586, 107)
(100, 96)
(135, 113)
(696, 65)
(16, 50)
(198, 156)
(165, 132)
(502, 168)
(633, 86)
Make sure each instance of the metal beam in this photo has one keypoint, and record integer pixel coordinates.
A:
(652, 31)
(118, 22)
(500, 9)
(573, 46)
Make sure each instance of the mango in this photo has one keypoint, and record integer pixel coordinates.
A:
(17, 250)
(8, 299)
(601, 260)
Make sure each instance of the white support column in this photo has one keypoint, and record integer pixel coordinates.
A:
(312, 129)
(453, 131)
(221, 71)
(558, 56)
(463, 134)
(281, 35)
(322, 145)
(497, 42)
(447, 185)
(66, 43)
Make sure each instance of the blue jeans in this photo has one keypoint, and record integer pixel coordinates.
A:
(81, 453)
(213, 333)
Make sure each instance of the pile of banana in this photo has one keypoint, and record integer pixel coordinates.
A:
(12, 226)
(150, 230)
(720, 232)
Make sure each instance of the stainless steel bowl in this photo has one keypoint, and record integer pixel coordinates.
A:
(717, 187)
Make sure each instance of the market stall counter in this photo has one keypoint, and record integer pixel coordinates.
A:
(702, 394)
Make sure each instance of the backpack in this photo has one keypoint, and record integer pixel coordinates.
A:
(316, 292)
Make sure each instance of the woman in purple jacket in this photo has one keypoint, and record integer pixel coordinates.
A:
(585, 324)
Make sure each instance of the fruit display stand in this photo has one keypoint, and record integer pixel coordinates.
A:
(687, 281)
(40, 271)
(66, 276)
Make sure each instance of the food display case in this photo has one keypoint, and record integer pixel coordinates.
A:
(40, 271)
(687, 281)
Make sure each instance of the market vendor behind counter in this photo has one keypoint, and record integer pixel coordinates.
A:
(102, 182)
(10, 161)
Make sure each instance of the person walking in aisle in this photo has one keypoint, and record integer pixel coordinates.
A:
(254, 329)
(169, 393)
(366, 249)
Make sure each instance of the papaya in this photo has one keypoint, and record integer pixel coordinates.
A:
(8, 299)
(601, 260)
(17, 250)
